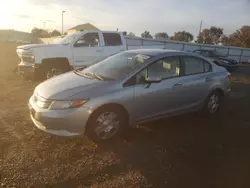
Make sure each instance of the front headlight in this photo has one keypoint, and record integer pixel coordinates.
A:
(56, 105)
(26, 55)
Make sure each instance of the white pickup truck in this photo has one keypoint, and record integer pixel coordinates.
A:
(80, 49)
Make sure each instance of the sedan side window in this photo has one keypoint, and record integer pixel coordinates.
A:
(195, 65)
(88, 40)
(165, 68)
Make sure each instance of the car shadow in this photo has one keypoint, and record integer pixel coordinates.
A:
(184, 151)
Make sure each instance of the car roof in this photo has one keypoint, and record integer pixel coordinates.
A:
(156, 52)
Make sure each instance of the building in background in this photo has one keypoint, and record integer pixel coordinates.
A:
(82, 27)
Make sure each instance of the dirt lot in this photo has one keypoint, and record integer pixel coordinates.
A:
(185, 151)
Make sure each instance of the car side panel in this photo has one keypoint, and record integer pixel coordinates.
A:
(194, 89)
(123, 96)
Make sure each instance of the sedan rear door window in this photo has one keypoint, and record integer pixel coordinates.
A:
(195, 65)
(165, 68)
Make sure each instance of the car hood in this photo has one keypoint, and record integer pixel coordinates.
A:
(29, 46)
(70, 86)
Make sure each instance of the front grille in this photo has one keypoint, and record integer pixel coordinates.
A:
(26, 56)
(27, 59)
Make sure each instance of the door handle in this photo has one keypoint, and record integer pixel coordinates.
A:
(208, 79)
(98, 50)
(177, 85)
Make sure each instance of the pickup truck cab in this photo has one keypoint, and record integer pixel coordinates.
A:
(78, 50)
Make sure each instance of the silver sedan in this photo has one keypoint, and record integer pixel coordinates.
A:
(126, 89)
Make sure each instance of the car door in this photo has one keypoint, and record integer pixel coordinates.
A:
(112, 43)
(154, 100)
(87, 49)
(195, 81)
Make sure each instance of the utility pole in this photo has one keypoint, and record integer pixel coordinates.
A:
(62, 20)
(200, 26)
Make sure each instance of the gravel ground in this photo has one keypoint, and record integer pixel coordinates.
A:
(184, 151)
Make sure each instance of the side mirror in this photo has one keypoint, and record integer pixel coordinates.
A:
(154, 79)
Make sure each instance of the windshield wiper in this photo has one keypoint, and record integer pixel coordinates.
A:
(97, 76)
(90, 75)
(80, 73)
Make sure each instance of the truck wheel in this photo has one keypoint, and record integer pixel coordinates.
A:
(54, 71)
(50, 71)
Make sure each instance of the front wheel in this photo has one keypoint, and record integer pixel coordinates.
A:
(49, 71)
(106, 124)
(213, 103)
(52, 72)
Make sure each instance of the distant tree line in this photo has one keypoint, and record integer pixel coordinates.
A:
(42, 33)
(212, 35)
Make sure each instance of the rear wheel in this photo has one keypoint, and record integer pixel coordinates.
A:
(106, 124)
(213, 103)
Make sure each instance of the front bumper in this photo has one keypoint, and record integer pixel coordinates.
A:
(65, 122)
(27, 69)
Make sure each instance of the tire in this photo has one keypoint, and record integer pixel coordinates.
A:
(213, 103)
(53, 69)
(99, 131)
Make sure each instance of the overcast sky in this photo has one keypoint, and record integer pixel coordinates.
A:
(127, 15)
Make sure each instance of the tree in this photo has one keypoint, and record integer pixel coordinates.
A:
(146, 34)
(161, 35)
(182, 36)
(210, 36)
(240, 38)
(40, 33)
(131, 34)
(55, 33)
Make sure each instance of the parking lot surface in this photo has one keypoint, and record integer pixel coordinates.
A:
(184, 151)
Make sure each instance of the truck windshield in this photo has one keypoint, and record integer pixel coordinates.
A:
(116, 66)
(68, 39)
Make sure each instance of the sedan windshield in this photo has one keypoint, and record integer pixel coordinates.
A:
(68, 39)
(116, 66)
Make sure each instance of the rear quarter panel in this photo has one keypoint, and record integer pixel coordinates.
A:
(220, 79)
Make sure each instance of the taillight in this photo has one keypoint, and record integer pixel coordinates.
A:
(229, 77)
